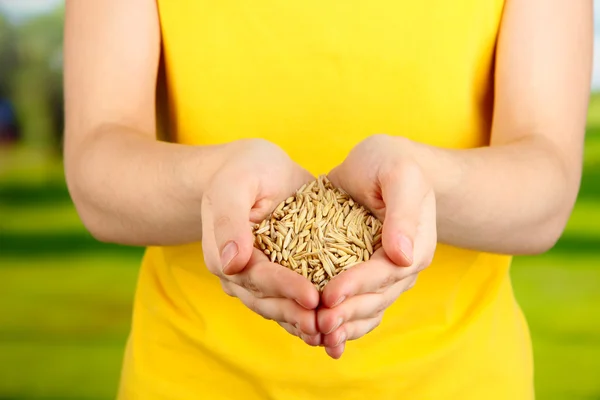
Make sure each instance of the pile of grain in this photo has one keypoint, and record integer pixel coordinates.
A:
(319, 233)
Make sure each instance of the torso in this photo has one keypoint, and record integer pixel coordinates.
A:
(316, 78)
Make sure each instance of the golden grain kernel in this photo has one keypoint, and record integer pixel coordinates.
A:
(288, 239)
(347, 267)
(318, 232)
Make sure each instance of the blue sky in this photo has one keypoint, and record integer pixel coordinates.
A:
(18, 9)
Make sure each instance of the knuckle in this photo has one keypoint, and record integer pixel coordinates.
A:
(370, 325)
(426, 262)
(249, 284)
(343, 315)
(254, 305)
(256, 143)
(215, 270)
(212, 196)
(251, 304)
(264, 147)
(293, 319)
(375, 323)
(227, 288)
(292, 330)
(407, 272)
(382, 305)
(378, 139)
(212, 267)
(412, 283)
(407, 168)
(390, 173)
(207, 199)
(278, 274)
(389, 280)
(351, 331)
(222, 220)
(403, 170)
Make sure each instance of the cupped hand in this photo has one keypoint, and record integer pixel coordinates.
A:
(393, 187)
(256, 176)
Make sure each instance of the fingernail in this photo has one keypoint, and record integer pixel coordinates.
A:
(406, 247)
(337, 325)
(228, 254)
(310, 340)
(341, 340)
(338, 301)
(303, 305)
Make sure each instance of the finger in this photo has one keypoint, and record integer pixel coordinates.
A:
(377, 274)
(351, 331)
(279, 310)
(291, 329)
(359, 184)
(426, 240)
(361, 307)
(311, 340)
(225, 217)
(336, 352)
(227, 287)
(372, 276)
(266, 279)
(403, 188)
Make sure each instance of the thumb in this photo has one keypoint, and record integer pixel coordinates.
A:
(403, 190)
(229, 221)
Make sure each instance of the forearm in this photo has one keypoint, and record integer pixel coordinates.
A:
(513, 198)
(131, 189)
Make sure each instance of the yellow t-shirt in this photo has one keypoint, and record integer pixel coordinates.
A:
(317, 77)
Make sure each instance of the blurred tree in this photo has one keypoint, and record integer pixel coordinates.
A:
(8, 56)
(37, 89)
(9, 132)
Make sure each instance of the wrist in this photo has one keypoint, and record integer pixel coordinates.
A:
(441, 168)
(197, 165)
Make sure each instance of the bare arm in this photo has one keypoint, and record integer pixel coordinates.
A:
(127, 187)
(131, 189)
(513, 196)
(516, 196)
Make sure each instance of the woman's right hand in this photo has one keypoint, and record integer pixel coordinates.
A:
(256, 176)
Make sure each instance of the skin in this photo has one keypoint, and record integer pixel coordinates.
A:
(513, 196)
(114, 164)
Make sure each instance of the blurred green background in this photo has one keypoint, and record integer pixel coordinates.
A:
(65, 299)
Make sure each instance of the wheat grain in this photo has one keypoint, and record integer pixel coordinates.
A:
(319, 232)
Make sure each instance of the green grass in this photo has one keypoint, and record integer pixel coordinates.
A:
(71, 347)
(561, 299)
(65, 299)
(63, 370)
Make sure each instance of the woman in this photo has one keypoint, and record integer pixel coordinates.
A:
(457, 123)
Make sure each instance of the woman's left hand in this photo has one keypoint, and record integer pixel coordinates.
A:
(393, 187)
